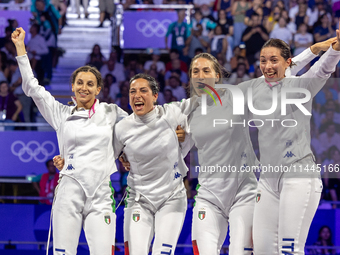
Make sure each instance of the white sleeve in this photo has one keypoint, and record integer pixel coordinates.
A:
(302, 60)
(117, 144)
(121, 114)
(180, 111)
(318, 74)
(52, 111)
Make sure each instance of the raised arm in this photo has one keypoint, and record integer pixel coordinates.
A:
(309, 54)
(51, 110)
(319, 73)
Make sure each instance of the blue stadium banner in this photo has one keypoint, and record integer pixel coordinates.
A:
(147, 29)
(25, 152)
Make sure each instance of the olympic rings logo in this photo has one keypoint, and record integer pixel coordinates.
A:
(153, 27)
(33, 149)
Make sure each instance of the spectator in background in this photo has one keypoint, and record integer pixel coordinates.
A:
(106, 8)
(329, 116)
(206, 23)
(51, 42)
(124, 104)
(254, 37)
(47, 183)
(206, 12)
(329, 137)
(156, 54)
(36, 48)
(96, 57)
(3, 66)
(168, 96)
(110, 68)
(302, 39)
(9, 50)
(290, 25)
(219, 43)
(324, 29)
(158, 76)
(293, 12)
(197, 40)
(238, 53)
(238, 11)
(174, 54)
(85, 4)
(199, 3)
(256, 8)
(7, 38)
(111, 82)
(282, 32)
(326, 93)
(301, 17)
(227, 26)
(177, 90)
(324, 239)
(114, 56)
(176, 71)
(240, 75)
(320, 8)
(104, 96)
(180, 31)
(224, 5)
(10, 106)
(133, 66)
(330, 105)
(16, 88)
(267, 9)
(272, 19)
(52, 15)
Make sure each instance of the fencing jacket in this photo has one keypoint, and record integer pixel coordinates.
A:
(84, 137)
(152, 148)
(281, 145)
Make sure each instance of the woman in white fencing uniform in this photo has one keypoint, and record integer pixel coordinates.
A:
(227, 186)
(287, 196)
(156, 201)
(84, 197)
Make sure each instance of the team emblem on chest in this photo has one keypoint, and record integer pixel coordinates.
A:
(258, 197)
(107, 219)
(136, 216)
(201, 214)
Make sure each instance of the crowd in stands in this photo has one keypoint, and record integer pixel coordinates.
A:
(232, 31)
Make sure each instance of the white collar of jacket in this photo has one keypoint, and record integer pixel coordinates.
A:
(147, 118)
(274, 83)
(91, 111)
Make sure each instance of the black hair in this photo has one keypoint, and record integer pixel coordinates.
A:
(48, 161)
(151, 81)
(282, 46)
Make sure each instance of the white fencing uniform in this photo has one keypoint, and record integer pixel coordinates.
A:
(84, 195)
(287, 201)
(222, 196)
(226, 196)
(156, 202)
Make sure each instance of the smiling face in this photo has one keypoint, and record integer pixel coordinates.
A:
(85, 89)
(141, 98)
(272, 64)
(203, 72)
